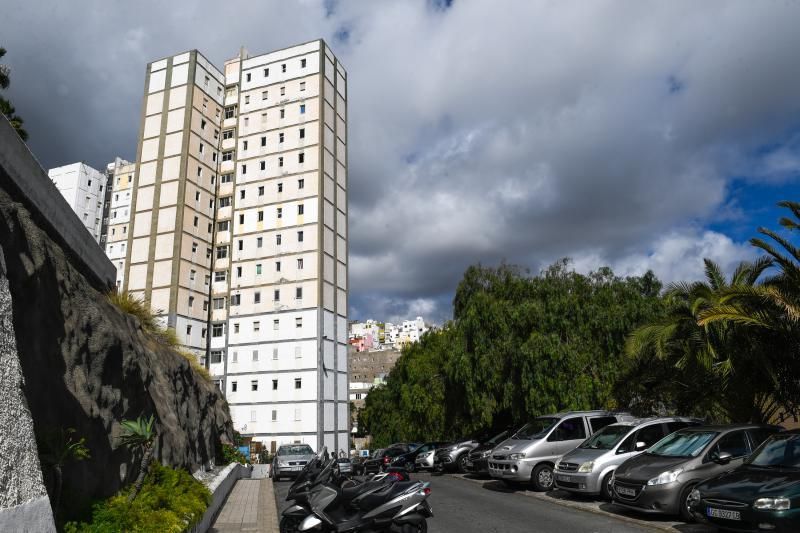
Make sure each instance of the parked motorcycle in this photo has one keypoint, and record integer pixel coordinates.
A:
(323, 504)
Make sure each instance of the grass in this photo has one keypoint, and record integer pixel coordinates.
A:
(127, 303)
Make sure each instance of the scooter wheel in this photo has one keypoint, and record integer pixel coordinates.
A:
(290, 524)
(420, 527)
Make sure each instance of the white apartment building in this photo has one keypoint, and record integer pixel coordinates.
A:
(409, 331)
(239, 232)
(83, 188)
(117, 214)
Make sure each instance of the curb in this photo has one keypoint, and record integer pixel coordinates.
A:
(574, 505)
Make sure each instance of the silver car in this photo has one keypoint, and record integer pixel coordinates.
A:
(589, 468)
(529, 455)
(290, 460)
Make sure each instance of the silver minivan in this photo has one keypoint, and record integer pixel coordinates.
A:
(589, 468)
(529, 455)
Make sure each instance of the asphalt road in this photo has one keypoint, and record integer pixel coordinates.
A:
(462, 506)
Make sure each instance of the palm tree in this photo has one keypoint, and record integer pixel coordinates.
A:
(139, 434)
(56, 450)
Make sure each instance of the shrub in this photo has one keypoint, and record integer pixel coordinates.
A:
(232, 455)
(170, 501)
(194, 363)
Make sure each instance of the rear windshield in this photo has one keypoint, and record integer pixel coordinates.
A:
(499, 437)
(779, 451)
(537, 429)
(299, 449)
(683, 444)
(394, 452)
(606, 438)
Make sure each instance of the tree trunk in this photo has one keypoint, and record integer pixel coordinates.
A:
(143, 468)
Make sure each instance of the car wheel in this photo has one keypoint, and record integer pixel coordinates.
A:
(461, 463)
(542, 478)
(410, 467)
(605, 486)
(683, 502)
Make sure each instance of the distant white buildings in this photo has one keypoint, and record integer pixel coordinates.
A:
(372, 335)
(83, 187)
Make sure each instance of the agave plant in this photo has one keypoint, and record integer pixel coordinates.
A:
(139, 434)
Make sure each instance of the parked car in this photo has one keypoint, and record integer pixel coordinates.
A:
(290, 460)
(408, 460)
(426, 460)
(345, 465)
(529, 455)
(478, 459)
(456, 455)
(381, 460)
(661, 479)
(588, 469)
(762, 494)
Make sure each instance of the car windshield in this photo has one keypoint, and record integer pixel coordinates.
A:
(299, 449)
(606, 438)
(536, 429)
(778, 451)
(394, 452)
(499, 437)
(683, 444)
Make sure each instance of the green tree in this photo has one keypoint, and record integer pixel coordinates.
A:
(5, 106)
(139, 434)
(56, 449)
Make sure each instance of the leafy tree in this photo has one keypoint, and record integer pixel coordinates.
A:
(56, 449)
(139, 434)
(5, 106)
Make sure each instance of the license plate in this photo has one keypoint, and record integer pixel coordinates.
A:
(560, 477)
(723, 513)
(625, 491)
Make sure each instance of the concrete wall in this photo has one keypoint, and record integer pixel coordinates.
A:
(41, 196)
(220, 488)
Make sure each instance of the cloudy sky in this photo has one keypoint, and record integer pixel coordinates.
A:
(632, 134)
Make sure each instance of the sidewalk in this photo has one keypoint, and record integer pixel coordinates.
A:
(250, 507)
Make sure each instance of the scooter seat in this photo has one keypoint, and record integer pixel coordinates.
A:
(348, 494)
(371, 501)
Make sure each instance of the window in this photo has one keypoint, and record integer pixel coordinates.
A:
(283, 91)
(358, 396)
(283, 67)
(263, 118)
(230, 111)
(258, 269)
(277, 266)
(188, 330)
(238, 272)
(276, 295)
(298, 352)
(203, 333)
(275, 354)
(216, 134)
(214, 156)
(302, 86)
(302, 133)
(302, 109)
(194, 247)
(256, 326)
(195, 221)
(197, 194)
(302, 63)
(261, 215)
(650, 434)
(235, 358)
(279, 212)
(255, 355)
(298, 383)
(569, 429)
(298, 322)
(227, 134)
(248, 76)
(236, 299)
(244, 145)
(191, 301)
(263, 141)
(254, 385)
(301, 157)
(219, 303)
(280, 186)
(300, 264)
(244, 169)
(599, 422)
(225, 201)
(217, 329)
(205, 103)
(216, 356)
(262, 165)
(264, 95)
(280, 137)
(201, 148)
(259, 242)
(266, 72)
(300, 209)
(299, 236)
(242, 193)
(274, 419)
(227, 156)
(202, 124)
(247, 98)
(192, 274)
(222, 252)
(241, 218)
(241, 244)
(234, 386)
(223, 225)
(276, 324)
(274, 386)
(283, 113)
(257, 297)
(301, 184)
(297, 416)
(261, 190)
(280, 161)
(298, 293)
(733, 443)
(278, 239)
(226, 178)
(220, 275)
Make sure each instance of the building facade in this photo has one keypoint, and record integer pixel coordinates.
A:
(83, 187)
(118, 214)
(238, 232)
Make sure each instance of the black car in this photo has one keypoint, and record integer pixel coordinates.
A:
(761, 494)
(408, 459)
(478, 461)
(381, 460)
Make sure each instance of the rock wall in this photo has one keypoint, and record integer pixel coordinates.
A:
(87, 366)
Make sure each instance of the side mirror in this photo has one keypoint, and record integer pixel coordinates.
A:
(640, 446)
(723, 458)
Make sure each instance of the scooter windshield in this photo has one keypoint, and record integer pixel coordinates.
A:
(309, 473)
